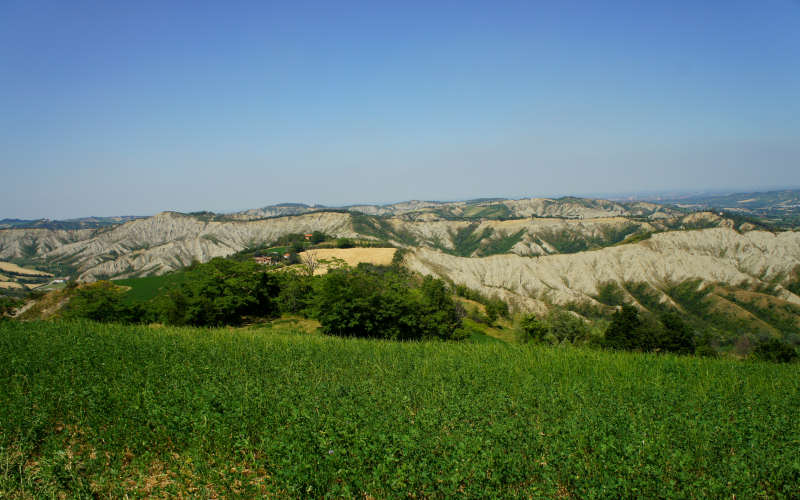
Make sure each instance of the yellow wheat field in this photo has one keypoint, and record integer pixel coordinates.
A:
(352, 256)
(13, 268)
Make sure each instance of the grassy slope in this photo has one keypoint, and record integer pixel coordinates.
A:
(140, 411)
(144, 289)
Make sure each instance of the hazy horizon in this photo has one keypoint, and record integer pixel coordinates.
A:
(643, 195)
(114, 109)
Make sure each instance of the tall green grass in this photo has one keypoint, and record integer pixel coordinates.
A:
(90, 409)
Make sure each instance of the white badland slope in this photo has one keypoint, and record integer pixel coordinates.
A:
(713, 255)
(19, 243)
(169, 241)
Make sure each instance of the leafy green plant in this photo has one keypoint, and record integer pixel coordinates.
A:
(109, 411)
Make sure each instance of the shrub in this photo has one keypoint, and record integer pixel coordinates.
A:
(564, 326)
(532, 328)
(775, 350)
(496, 308)
(558, 326)
(475, 315)
(8, 305)
(706, 345)
(706, 351)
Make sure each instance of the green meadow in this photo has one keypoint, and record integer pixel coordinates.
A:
(101, 410)
(149, 287)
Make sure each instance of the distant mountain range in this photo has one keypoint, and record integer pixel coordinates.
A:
(483, 208)
(774, 206)
(529, 251)
(778, 207)
(82, 223)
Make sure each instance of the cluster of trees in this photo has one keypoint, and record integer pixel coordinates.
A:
(376, 302)
(367, 301)
(495, 307)
(628, 331)
(631, 331)
(775, 350)
(220, 292)
(556, 327)
(105, 302)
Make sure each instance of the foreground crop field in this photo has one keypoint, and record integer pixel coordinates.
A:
(114, 411)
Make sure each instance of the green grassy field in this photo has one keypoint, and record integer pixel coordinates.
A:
(148, 287)
(110, 411)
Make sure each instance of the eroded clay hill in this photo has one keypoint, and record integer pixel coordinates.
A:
(527, 228)
(717, 255)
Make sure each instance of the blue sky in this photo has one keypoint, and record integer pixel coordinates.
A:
(111, 108)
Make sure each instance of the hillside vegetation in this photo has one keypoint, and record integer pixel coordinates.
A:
(168, 241)
(110, 411)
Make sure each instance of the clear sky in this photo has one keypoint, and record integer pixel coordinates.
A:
(110, 108)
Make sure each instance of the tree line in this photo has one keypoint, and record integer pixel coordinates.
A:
(366, 301)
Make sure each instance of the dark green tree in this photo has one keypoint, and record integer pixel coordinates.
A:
(439, 314)
(296, 292)
(624, 331)
(775, 350)
(676, 336)
(532, 328)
